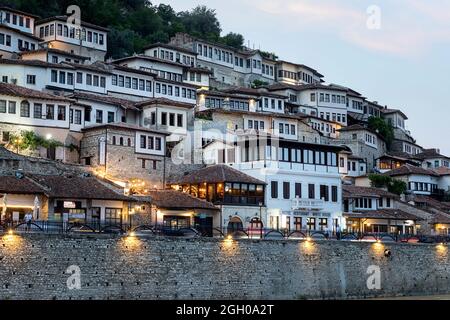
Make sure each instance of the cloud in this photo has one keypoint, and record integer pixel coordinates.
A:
(408, 27)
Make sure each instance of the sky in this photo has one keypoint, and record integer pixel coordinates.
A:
(396, 52)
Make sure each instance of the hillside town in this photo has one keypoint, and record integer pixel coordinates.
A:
(196, 135)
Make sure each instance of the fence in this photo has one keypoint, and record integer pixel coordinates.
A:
(96, 227)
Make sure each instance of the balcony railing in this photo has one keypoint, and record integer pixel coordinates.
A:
(298, 204)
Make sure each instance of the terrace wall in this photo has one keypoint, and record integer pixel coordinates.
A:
(34, 267)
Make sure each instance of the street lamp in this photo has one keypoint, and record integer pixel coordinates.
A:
(260, 218)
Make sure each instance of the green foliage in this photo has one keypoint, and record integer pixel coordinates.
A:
(383, 128)
(379, 181)
(259, 83)
(234, 40)
(395, 186)
(28, 140)
(268, 55)
(135, 23)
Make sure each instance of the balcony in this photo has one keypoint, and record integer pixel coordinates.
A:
(298, 204)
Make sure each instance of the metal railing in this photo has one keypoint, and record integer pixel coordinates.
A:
(96, 227)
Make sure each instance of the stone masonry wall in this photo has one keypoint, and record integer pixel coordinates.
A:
(34, 267)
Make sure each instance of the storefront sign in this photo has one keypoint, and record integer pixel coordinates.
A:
(69, 204)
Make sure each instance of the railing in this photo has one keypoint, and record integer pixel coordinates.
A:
(95, 227)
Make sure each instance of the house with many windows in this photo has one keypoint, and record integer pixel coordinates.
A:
(371, 210)
(63, 33)
(16, 32)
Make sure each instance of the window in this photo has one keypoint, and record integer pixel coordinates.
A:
(158, 143)
(311, 191)
(78, 117)
(164, 118)
(54, 76)
(286, 190)
(79, 77)
(113, 216)
(298, 190)
(50, 111)
(31, 79)
(37, 114)
(99, 116)
(2, 106)
(62, 77)
(274, 189)
(12, 107)
(143, 142)
(110, 116)
(324, 193)
(172, 119)
(62, 113)
(179, 120)
(25, 109)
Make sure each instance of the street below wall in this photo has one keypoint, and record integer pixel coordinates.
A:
(72, 266)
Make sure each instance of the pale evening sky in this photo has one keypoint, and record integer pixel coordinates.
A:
(404, 64)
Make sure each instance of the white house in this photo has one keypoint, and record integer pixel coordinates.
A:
(62, 32)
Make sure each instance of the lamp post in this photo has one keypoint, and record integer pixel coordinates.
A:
(260, 218)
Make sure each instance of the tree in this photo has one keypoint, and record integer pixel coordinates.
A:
(384, 129)
(395, 186)
(234, 40)
(201, 22)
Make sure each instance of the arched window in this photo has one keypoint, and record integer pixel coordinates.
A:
(25, 109)
(129, 142)
(114, 140)
(121, 141)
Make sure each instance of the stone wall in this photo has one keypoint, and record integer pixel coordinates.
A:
(34, 267)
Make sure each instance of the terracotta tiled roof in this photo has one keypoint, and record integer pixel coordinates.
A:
(408, 169)
(35, 63)
(216, 174)
(53, 50)
(430, 153)
(252, 92)
(17, 91)
(355, 191)
(76, 187)
(439, 218)
(429, 201)
(392, 214)
(22, 33)
(170, 46)
(172, 199)
(11, 184)
(125, 126)
(389, 111)
(127, 104)
(165, 102)
(442, 171)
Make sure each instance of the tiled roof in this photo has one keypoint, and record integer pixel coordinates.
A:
(408, 169)
(442, 171)
(76, 187)
(170, 46)
(144, 57)
(252, 92)
(172, 199)
(430, 153)
(216, 174)
(355, 191)
(64, 19)
(19, 12)
(11, 184)
(429, 201)
(25, 34)
(165, 102)
(35, 63)
(97, 66)
(127, 104)
(439, 218)
(125, 126)
(389, 111)
(17, 91)
(8, 155)
(53, 50)
(392, 214)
